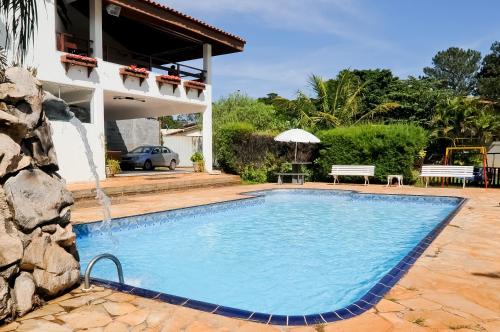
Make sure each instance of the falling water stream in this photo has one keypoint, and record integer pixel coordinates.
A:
(100, 194)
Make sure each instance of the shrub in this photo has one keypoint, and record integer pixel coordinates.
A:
(113, 165)
(393, 149)
(197, 157)
(250, 174)
(226, 139)
(256, 156)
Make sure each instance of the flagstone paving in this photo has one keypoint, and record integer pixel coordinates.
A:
(454, 286)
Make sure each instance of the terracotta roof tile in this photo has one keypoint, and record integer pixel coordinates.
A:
(176, 12)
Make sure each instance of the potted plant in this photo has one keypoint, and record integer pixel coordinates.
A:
(69, 60)
(198, 162)
(112, 167)
(168, 79)
(196, 85)
(134, 71)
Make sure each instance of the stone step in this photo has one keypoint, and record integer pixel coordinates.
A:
(159, 186)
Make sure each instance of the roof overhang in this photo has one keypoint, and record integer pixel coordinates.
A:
(175, 23)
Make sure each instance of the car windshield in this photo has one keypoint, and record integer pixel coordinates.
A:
(141, 149)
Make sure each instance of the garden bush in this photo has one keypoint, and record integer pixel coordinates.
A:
(227, 138)
(393, 149)
(256, 156)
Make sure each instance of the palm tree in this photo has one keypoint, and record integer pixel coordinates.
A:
(339, 102)
(21, 20)
(464, 118)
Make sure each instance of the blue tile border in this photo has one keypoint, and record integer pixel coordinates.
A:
(366, 302)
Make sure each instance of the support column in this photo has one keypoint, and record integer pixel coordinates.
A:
(95, 28)
(207, 114)
(97, 104)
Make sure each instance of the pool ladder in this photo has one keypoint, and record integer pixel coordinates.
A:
(97, 258)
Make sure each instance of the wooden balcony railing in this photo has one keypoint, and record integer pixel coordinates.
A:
(71, 44)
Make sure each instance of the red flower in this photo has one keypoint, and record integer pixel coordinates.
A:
(136, 69)
(171, 78)
(81, 58)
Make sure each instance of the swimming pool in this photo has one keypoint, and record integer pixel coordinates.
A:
(287, 256)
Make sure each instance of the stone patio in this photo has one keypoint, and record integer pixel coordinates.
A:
(454, 286)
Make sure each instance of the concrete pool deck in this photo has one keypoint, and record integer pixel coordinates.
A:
(453, 286)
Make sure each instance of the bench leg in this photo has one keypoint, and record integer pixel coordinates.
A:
(280, 180)
(464, 183)
(367, 182)
(335, 179)
(426, 181)
(388, 180)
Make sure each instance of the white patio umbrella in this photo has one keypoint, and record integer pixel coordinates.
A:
(296, 136)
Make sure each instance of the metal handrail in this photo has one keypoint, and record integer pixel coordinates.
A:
(154, 62)
(150, 61)
(95, 260)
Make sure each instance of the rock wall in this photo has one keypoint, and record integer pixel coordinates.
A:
(38, 256)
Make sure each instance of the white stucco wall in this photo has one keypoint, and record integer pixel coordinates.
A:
(73, 163)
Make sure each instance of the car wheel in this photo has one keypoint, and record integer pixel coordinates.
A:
(148, 165)
(172, 165)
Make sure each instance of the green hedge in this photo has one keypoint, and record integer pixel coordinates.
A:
(225, 140)
(393, 149)
(239, 149)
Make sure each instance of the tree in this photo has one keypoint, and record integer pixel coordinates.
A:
(21, 18)
(460, 120)
(352, 97)
(377, 85)
(337, 101)
(456, 68)
(295, 113)
(241, 108)
(269, 99)
(489, 75)
(168, 122)
(416, 98)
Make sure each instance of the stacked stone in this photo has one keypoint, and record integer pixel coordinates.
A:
(38, 256)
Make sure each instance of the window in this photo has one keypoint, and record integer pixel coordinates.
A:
(156, 150)
(166, 150)
(141, 149)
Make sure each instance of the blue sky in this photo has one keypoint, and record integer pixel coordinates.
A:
(287, 40)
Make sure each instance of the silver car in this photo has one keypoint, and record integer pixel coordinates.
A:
(148, 157)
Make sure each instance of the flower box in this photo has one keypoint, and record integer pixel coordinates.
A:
(69, 60)
(134, 71)
(168, 79)
(196, 85)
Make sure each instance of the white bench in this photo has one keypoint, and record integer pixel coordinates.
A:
(352, 170)
(446, 171)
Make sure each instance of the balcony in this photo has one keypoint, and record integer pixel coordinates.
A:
(129, 74)
(72, 44)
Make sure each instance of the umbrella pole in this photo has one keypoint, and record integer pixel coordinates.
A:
(296, 151)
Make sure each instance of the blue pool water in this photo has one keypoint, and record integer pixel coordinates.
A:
(290, 252)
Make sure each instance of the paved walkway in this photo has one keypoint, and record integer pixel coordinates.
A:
(142, 183)
(454, 286)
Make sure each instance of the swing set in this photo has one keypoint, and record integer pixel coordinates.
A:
(481, 150)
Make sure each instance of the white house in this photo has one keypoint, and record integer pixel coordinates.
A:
(184, 141)
(106, 59)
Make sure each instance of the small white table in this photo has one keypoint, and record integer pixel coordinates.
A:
(395, 176)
